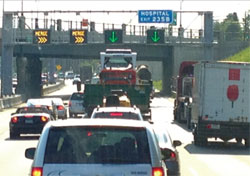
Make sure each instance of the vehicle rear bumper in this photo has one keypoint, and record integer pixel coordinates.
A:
(223, 129)
(27, 129)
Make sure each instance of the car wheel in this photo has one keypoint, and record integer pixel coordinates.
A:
(247, 142)
(14, 135)
(238, 140)
(199, 140)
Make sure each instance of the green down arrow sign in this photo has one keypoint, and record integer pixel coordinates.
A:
(113, 38)
(155, 37)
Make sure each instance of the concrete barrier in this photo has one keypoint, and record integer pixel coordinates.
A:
(10, 101)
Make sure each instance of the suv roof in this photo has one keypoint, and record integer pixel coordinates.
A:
(99, 122)
(77, 96)
(125, 113)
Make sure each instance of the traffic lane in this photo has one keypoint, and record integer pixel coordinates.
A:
(13, 161)
(201, 161)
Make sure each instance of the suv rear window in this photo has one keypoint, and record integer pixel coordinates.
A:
(117, 115)
(77, 96)
(99, 145)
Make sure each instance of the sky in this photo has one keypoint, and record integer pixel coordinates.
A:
(189, 20)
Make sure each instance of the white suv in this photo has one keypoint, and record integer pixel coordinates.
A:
(131, 113)
(97, 147)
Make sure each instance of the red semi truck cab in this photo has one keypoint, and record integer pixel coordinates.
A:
(184, 92)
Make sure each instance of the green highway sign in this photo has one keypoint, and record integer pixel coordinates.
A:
(174, 23)
(113, 36)
(155, 36)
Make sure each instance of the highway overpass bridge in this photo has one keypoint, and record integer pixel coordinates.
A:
(19, 42)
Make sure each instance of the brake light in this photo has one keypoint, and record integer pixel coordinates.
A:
(60, 107)
(44, 119)
(14, 119)
(173, 155)
(208, 126)
(116, 114)
(70, 103)
(28, 116)
(157, 171)
(37, 171)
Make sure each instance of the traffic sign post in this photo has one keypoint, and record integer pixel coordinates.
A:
(155, 16)
(155, 36)
(113, 36)
(41, 36)
(78, 36)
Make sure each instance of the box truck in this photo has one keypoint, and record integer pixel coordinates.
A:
(221, 102)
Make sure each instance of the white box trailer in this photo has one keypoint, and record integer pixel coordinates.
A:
(221, 101)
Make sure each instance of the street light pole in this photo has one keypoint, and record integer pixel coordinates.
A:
(181, 13)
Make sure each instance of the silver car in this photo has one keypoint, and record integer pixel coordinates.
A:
(97, 147)
(168, 148)
(61, 109)
(76, 104)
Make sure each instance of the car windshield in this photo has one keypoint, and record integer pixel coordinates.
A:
(77, 96)
(96, 145)
(32, 110)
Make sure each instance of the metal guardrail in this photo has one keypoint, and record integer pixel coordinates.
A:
(10, 101)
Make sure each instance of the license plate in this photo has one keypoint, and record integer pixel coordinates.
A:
(29, 121)
(215, 126)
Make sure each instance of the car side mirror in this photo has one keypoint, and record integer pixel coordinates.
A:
(30, 153)
(177, 143)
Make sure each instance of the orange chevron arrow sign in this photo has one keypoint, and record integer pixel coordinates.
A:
(78, 36)
(41, 36)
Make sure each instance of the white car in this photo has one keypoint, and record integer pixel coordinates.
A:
(131, 113)
(97, 147)
(44, 102)
(76, 104)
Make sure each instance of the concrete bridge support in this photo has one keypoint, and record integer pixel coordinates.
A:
(7, 55)
(33, 88)
(21, 63)
(167, 70)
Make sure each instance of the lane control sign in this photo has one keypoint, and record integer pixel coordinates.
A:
(41, 36)
(78, 36)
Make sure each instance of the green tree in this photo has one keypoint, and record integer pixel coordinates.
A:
(232, 28)
(246, 28)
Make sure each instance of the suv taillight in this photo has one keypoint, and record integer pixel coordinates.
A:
(60, 107)
(70, 103)
(37, 171)
(157, 171)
